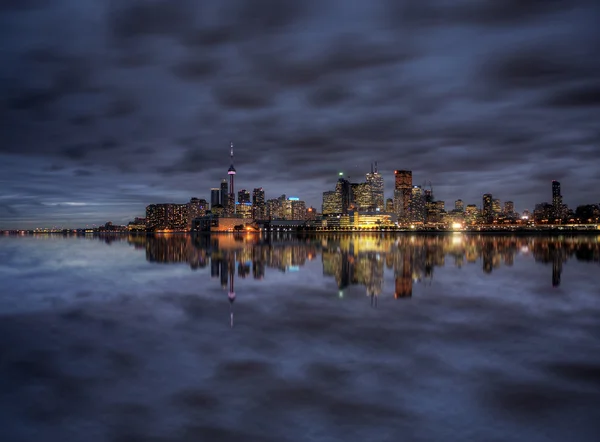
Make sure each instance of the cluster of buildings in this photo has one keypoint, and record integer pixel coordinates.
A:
(350, 205)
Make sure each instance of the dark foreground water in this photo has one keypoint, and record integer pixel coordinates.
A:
(353, 338)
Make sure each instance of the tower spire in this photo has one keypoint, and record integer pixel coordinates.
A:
(231, 154)
(375, 166)
(371, 167)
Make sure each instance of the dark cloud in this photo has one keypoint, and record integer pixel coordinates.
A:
(149, 18)
(22, 5)
(329, 95)
(76, 152)
(481, 13)
(121, 107)
(237, 95)
(474, 96)
(82, 173)
(580, 96)
(196, 68)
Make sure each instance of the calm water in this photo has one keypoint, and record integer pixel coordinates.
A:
(323, 338)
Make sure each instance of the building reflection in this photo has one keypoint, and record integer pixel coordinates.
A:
(360, 260)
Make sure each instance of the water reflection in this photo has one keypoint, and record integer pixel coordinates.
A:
(362, 259)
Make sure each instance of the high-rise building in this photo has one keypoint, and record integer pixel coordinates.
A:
(471, 214)
(362, 196)
(496, 207)
(224, 193)
(259, 208)
(417, 205)
(509, 208)
(167, 217)
(402, 193)
(389, 205)
(231, 172)
(459, 205)
(215, 196)
(196, 208)
(243, 196)
(273, 208)
(331, 203)
(298, 209)
(375, 181)
(311, 214)
(344, 191)
(488, 209)
(556, 199)
(244, 210)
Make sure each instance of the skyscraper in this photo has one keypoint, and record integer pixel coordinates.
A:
(243, 196)
(224, 193)
(417, 205)
(402, 193)
(459, 205)
(488, 210)
(331, 203)
(509, 208)
(258, 204)
(215, 196)
(375, 181)
(362, 196)
(496, 207)
(231, 173)
(298, 209)
(344, 191)
(556, 200)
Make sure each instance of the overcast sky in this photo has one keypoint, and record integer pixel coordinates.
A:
(108, 106)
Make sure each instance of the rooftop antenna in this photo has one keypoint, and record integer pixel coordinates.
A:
(376, 167)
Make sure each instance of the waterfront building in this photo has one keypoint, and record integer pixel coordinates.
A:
(402, 193)
(215, 196)
(375, 182)
(259, 208)
(331, 203)
(488, 211)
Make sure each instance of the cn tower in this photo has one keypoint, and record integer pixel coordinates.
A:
(231, 173)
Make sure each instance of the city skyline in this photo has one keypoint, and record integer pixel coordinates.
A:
(120, 104)
(402, 194)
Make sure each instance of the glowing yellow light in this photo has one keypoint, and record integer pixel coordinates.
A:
(456, 226)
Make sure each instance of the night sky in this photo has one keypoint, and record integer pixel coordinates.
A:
(107, 106)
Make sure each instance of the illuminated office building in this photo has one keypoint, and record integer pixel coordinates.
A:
(375, 182)
(459, 205)
(417, 205)
(332, 203)
(167, 217)
(243, 196)
(556, 199)
(471, 214)
(259, 208)
(244, 210)
(509, 208)
(496, 207)
(298, 209)
(402, 193)
(196, 208)
(488, 210)
(362, 196)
